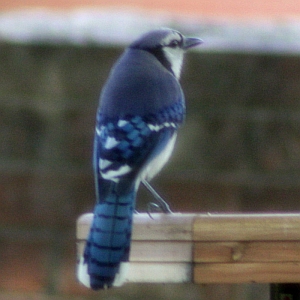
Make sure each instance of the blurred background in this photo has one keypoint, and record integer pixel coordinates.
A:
(239, 150)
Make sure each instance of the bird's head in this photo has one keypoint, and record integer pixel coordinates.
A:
(168, 46)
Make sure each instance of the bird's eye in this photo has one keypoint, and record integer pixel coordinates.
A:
(174, 44)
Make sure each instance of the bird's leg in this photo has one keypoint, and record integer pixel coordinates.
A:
(151, 207)
(162, 204)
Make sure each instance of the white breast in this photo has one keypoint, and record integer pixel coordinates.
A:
(156, 164)
(175, 57)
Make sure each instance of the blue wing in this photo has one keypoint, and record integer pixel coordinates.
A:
(124, 147)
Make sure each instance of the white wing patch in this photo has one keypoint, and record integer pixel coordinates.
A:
(161, 126)
(98, 130)
(110, 143)
(114, 174)
(104, 163)
(122, 123)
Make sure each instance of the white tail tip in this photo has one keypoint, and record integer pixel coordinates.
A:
(121, 276)
(84, 277)
(82, 274)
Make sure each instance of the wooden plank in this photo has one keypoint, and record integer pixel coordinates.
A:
(212, 252)
(211, 248)
(155, 251)
(80, 247)
(159, 272)
(247, 227)
(83, 226)
(163, 227)
(176, 227)
(153, 272)
(288, 272)
(208, 227)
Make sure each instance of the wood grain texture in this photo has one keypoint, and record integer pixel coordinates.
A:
(155, 251)
(204, 248)
(277, 251)
(160, 272)
(161, 251)
(208, 227)
(163, 227)
(175, 227)
(247, 273)
(247, 227)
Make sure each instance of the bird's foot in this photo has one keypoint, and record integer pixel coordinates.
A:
(153, 207)
(162, 205)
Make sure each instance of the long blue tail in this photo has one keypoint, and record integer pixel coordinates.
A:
(109, 240)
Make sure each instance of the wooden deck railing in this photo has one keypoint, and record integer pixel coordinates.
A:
(213, 248)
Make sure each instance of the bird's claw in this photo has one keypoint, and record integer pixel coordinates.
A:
(162, 205)
(154, 207)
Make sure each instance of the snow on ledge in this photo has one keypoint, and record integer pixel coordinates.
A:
(120, 27)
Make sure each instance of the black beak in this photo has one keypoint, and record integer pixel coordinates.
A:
(191, 42)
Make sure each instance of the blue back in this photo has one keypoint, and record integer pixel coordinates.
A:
(141, 106)
(139, 85)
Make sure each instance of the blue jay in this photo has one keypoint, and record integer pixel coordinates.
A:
(141, 107)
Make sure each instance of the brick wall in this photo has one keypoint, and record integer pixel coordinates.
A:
(239, 150)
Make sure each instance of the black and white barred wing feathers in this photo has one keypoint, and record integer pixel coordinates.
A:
(135, 147)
